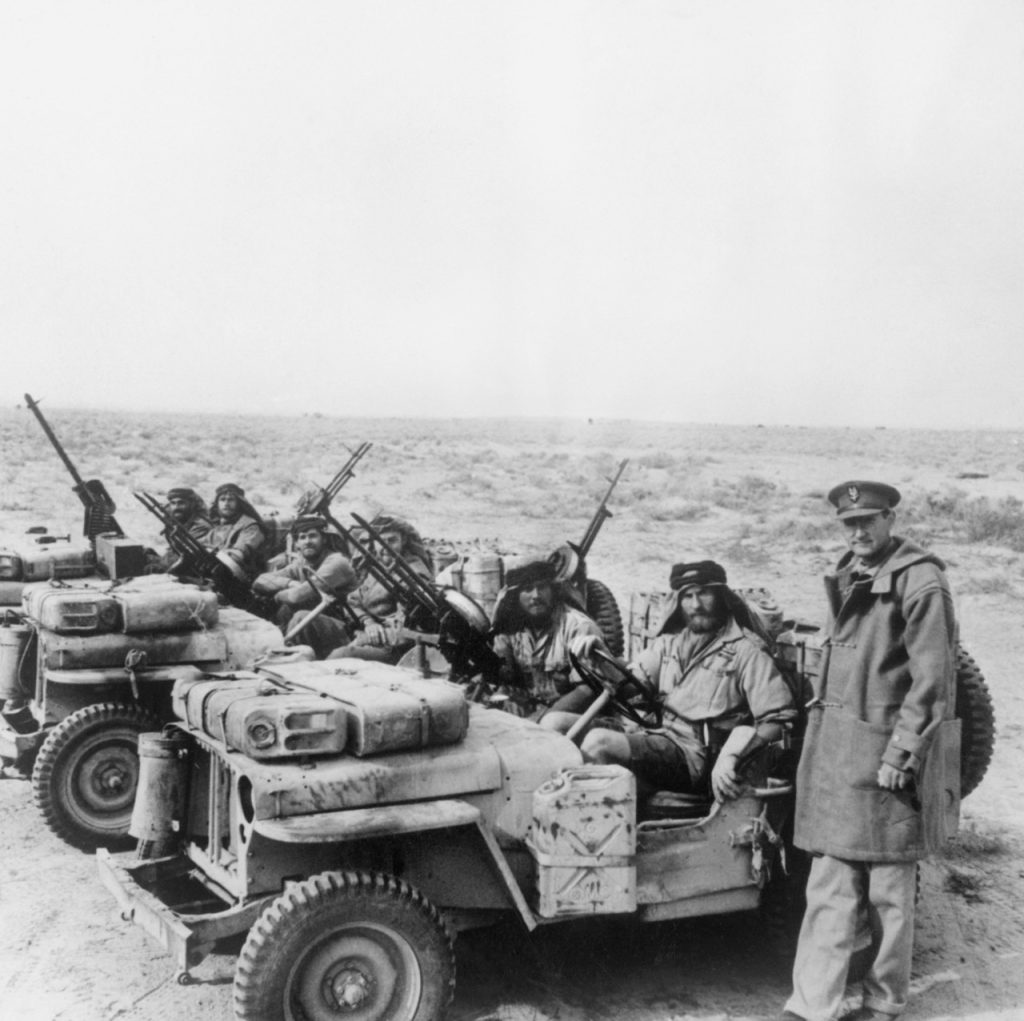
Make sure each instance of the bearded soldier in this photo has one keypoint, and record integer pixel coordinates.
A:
(187, 508)
(535, 628)
(713, 677)
(237, 529)
(295, 595)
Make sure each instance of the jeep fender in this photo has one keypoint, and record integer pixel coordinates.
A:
(455, 859)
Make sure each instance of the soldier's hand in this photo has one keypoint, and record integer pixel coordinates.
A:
(725, 783)
(892, 779)
(375, 635)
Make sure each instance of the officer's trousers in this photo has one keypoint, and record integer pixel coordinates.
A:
(841, 896)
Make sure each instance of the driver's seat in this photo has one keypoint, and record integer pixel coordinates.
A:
(676, 805)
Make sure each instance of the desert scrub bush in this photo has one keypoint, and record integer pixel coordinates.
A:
(971, 519)
(996, 584)
(750, 493)
(675, 509)
(799, 528)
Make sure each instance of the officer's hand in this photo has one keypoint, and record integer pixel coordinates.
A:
(375, 634)
(583, 645)
(893, 779)
(725, 782)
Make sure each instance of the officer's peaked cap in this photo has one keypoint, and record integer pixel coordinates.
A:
(859, 499)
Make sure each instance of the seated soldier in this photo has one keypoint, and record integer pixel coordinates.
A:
(535, 627)
(373, 606)
(713, 676)
(295, 595)
(236, 529)
(186, 506)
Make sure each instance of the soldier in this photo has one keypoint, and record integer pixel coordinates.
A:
(877, 767)
(236, 529)
(535, 627)
(715, 678)
(375, 609)
(186, 506)
(295, 595)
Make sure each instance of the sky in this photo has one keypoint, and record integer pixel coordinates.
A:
(743, 212)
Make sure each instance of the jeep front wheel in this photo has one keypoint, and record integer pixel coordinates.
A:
(346, 944)
(86, 773)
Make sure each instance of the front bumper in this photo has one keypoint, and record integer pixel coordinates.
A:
(164, 897)
(15, 746)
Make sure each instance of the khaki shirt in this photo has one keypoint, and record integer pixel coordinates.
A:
(334, 568)
(716, 682)
(540, 658)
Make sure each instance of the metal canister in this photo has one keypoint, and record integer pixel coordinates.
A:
(15, 635)
(160, 797)
(482, 578)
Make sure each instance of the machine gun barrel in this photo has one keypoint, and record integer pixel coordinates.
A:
(99, 507)
(402, 583)
(601, 514)
(320, 501)
(424, 592)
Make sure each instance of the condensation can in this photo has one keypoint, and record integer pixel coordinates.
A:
(14, 639)
(482, 578)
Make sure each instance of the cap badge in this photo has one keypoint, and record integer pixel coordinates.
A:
(853, 492)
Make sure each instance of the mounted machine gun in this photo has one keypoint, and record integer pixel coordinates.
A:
(318, 500)
(196, 560)
(435, 615)
(99, 507)
(593, 596)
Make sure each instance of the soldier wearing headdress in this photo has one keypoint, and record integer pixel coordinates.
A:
(722, 695)
(186, 506)
(374, 607)
(237, 529)
(315, 549)
(535, 626)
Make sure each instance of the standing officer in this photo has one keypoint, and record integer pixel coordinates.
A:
(878, 780)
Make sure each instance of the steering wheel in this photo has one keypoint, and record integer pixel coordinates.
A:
(632, 697)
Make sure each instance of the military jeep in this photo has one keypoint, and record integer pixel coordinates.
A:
(92, 662)
(351, 817)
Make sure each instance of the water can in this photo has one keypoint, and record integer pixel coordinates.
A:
(482, 577)
(14, 639)
(160, 798)
(583, 841)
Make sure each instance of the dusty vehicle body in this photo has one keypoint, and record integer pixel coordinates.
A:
(94, 660)
(351, 871)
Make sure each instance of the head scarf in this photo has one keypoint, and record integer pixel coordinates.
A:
(701, 572)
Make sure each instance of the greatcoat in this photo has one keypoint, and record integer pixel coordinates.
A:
(885, 693)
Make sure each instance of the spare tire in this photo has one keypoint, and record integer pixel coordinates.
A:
(604, 611)
(977, 721)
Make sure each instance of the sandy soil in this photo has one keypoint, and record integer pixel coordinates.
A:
(66, 956)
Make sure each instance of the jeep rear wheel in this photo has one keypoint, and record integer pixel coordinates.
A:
(86, 773)
(977, 722)
(346, 944)
(604, 611)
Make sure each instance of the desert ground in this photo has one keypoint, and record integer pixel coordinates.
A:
(752, 498)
